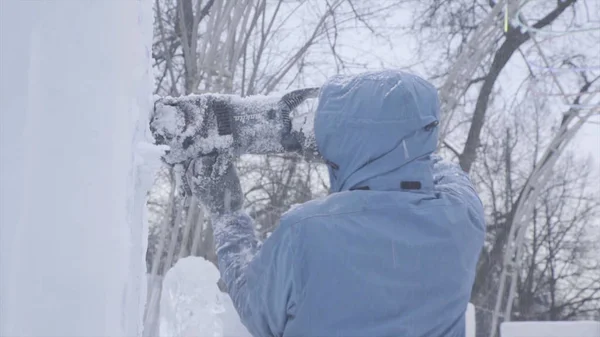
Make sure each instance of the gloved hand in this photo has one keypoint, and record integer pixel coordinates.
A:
(215, 183)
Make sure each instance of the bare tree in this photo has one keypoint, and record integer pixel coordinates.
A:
(278, 182)
(457, 29)
(560, 278)
(513, 145)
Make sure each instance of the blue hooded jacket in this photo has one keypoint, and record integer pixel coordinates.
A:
(392, 251)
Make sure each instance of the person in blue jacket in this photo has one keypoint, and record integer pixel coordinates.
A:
(391, 251)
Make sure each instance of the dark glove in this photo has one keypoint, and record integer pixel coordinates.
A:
(216, 184)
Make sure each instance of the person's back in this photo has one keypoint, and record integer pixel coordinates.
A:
(392, 251)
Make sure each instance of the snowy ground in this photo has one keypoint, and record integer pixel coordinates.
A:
(191, 304)
(551, 329)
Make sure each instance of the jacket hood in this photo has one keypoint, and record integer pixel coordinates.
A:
(377, 130)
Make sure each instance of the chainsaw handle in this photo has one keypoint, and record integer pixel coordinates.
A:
(291, 101)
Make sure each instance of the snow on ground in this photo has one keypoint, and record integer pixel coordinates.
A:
(75, 97)
(191, 303)
(470, 321)
(550, 329)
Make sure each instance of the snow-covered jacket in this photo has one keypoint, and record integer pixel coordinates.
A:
(391, 251)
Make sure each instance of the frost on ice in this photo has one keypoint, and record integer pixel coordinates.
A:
(190, 300)
(191, 303)
(75, 166)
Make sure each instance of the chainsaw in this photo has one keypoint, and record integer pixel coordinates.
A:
(229, 126)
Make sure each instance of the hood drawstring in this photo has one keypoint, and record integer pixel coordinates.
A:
(332, 164)
(431, 125)
(333, 167)
(415, 185)
(406, 155)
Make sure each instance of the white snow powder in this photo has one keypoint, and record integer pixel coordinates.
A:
(192, 304)
(550, 329)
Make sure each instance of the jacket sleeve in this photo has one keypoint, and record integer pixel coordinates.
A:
(451, 179)
(259, 279)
